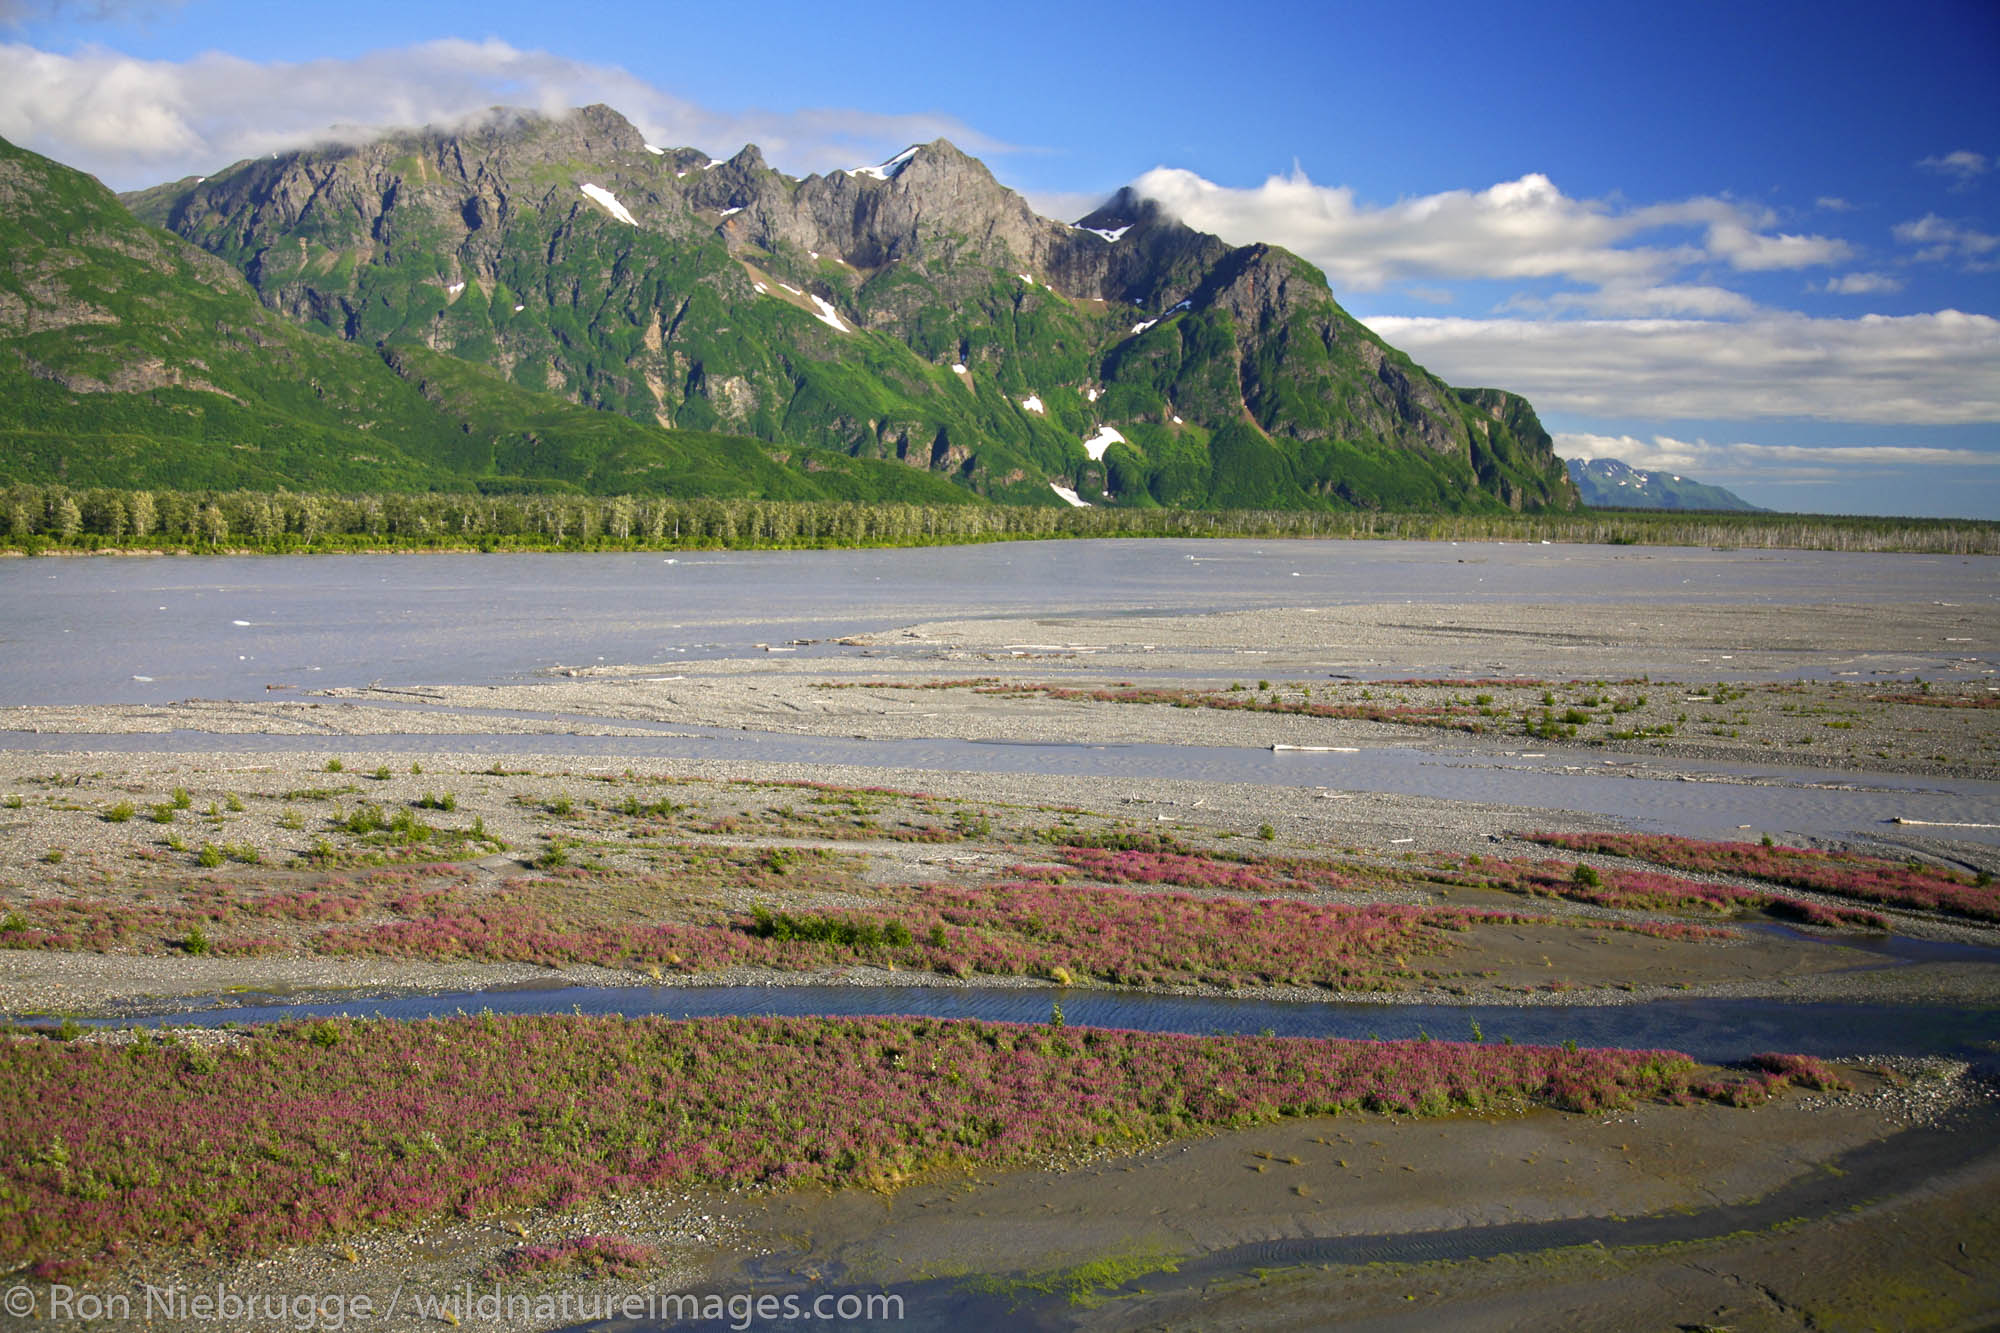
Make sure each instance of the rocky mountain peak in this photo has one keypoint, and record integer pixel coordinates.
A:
(1126, 208)
(915, 309)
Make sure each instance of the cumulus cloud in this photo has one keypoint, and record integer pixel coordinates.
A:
(1942, 240)
(1702, 300)
(1520, 229)
(1935, 369)
(1963, 166)
(1723, 462)
(1751, 250)
(1860, 284)
(135, 122)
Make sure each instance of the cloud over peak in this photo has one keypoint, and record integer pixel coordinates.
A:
(1521, 229)
(136, 122)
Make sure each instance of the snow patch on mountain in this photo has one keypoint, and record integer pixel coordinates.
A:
(887, 170)
(608, 201)
(828, 315)
(1106, 437)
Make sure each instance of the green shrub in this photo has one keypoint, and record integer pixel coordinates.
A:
(770, 925)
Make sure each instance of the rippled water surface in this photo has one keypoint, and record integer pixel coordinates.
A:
(139, 631)
(1708, 1029)
(88, 630)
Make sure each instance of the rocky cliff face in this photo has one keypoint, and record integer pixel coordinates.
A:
(917, 310)
(130, 358)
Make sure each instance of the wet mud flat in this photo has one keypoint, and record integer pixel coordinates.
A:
(1800, 1215)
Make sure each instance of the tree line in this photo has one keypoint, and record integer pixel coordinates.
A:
(36, 518)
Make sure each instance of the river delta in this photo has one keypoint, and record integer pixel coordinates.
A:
(1465, 801)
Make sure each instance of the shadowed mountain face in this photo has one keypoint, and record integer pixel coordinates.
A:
(1607, 483)
(917, 313)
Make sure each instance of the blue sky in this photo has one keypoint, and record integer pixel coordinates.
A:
(1756, 244)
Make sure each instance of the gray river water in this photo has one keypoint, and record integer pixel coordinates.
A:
(1713, 1030)
(153, 630)
(149, 631)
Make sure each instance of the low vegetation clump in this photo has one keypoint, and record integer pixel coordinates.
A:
(1842, 874)
(1117, 936)
(1190, 870)
(1768, 1072)
(1643, 891)
(297, 1132)
(227, 916)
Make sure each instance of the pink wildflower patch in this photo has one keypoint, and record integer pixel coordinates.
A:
(1841, 874)
(297, 1132)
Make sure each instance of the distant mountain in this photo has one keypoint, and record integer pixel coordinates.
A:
(1606, 483)
(916, 311)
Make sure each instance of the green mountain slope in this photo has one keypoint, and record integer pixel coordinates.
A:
(917, 312)
(131, 358)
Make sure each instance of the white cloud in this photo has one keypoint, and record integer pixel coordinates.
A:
(1833, 203)
(1943, 240)
(1963, 166)
(1860, 284)
(1702, 300)
(135, 122)
(1520, 229)
(1936, 369)
(1750, 250)
(1721, 462)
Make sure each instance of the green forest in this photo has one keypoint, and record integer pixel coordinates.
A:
(38, 519)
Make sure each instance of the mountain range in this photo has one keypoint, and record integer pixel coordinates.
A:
(532, 303)
(1607, 483)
